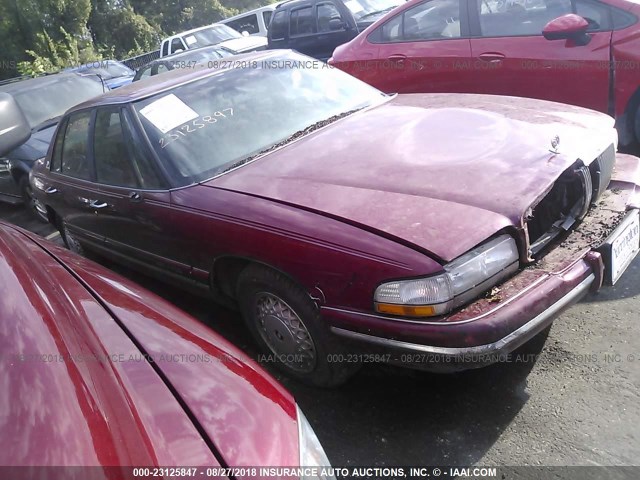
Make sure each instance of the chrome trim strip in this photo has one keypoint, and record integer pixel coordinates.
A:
(526, 331)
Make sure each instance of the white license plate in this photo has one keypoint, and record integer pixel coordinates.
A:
(623, 245)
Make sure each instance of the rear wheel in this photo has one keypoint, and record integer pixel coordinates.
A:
(31, 203)
(287, 326)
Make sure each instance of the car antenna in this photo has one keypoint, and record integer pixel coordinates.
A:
(104, 85)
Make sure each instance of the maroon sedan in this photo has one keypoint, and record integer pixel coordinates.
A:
(582, 52)
(439, 228)
(97, 372)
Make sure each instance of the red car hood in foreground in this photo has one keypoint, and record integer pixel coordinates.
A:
(441, 171)
(76, 388)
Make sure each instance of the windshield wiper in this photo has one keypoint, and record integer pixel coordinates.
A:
(291, 138)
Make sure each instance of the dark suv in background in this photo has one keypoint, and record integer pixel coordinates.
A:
(42, 100)
(317, 27)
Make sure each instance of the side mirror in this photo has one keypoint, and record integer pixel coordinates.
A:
(245, 33)
(14, 127)
(335, 24)
(570, 26)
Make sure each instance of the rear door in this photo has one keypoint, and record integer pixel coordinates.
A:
(131, 204)
(303, 29)
(425, 48)
(70, 186)
(513, 58)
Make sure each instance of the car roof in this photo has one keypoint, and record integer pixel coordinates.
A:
(180, 76)
(37, 82)
(271, 6)
(186, 32)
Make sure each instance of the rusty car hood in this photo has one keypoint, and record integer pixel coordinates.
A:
(442, 171)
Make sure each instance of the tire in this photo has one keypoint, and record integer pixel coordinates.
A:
(287, 326)
(70, 241)
(34, 207)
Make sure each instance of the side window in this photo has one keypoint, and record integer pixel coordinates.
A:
(143, 163)
(247, 24)
(165, 48)
(326, 13)
(56, 156)
(176, 44)
(266, 16)
(597, 14)
(162, 68)
(146, 72)
(278, 27)
(431, 20)
(75, 147)
(113, 166)
(301, 21)
(510, 18)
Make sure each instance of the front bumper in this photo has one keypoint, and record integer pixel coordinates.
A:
(488, 329)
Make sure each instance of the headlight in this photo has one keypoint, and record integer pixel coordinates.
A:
(464, 279)
(311, 452)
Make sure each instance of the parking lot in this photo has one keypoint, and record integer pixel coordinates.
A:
(577, 403)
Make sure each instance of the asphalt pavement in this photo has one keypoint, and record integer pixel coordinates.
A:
(577, 403)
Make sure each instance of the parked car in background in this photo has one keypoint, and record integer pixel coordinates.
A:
(253, 22)
(444, 227)
(189, 59)
(42, 100)
(216, 34)
(98, 372)
(317, 27)
(115, 74)
(581, 52)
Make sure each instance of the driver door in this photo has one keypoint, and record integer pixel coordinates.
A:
(513, 58)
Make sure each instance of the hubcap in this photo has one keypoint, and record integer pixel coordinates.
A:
(285, 334)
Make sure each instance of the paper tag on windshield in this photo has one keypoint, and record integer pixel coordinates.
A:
(191, 40)
(354, 6)
(168, 112)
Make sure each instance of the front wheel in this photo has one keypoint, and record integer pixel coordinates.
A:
(287, 326)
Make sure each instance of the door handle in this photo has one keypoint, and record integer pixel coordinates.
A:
(135, 197)
(51, 190)
(492, 57)
(397, 57)
(98, 205)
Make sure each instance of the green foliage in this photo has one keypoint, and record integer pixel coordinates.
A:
(40, 36)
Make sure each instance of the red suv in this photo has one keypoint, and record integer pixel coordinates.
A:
(581, 52)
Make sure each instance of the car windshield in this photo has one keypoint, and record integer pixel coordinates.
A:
(53, 99)
(369, 9)
(184, 59)
(210, 36)
(205, 127)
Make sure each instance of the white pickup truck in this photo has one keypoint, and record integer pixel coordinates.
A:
(215, 34)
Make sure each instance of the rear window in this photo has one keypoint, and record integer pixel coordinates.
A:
(302, 22)
(247, 24)
(278, 27)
